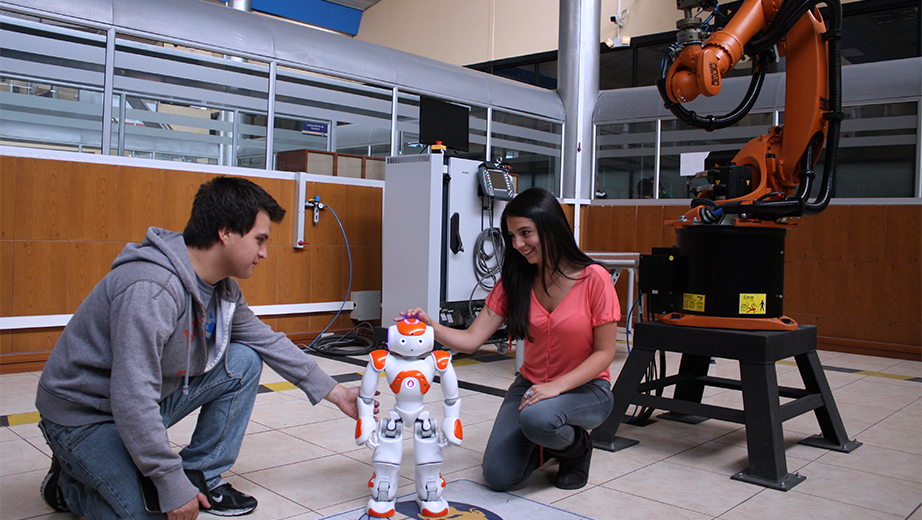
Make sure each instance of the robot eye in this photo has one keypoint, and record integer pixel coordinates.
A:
(420, 341)
(403, 341)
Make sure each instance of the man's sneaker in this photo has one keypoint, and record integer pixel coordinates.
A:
(227, 501)
(51, 488)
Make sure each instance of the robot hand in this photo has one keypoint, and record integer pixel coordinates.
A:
(366, 431)
(451, 432)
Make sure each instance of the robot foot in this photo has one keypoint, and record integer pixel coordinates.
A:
(433, 508)
(378, 509)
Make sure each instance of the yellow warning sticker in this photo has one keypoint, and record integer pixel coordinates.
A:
(693, 302)
(752, 304)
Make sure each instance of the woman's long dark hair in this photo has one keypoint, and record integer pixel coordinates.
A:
(558, 247)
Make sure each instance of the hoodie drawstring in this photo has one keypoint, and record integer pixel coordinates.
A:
(185, 385)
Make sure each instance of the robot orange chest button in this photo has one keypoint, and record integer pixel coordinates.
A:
(409, 376)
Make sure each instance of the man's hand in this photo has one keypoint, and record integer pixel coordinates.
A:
(190, 510)
(345, 399)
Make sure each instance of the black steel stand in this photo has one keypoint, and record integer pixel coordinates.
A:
(762, 413)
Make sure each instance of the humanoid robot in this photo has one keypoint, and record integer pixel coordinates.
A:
(409, 366)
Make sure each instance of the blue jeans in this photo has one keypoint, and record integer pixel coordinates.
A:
(512, 452)
(99, 479)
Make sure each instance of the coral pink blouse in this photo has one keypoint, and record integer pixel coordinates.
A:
(564, 338)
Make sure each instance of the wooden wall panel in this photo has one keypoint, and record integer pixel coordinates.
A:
(568, 211)
(830, 228)
(261, 288)
(140, 202)
(179, 188)
(596, 229)
(867, 233)
(8, 167)
(366, 262)
(903, 240)
(363, 207)
(650, 228)
(93, 195)
(39, 277)
(34, 341)
(295, 325)
(798, 242)
(294, 275)
(6, 277)
(902, 284)
(283, 234)
(327, 231)
(87, 263)
(904, 333)
(624, 229)
(274, 188)
(42, 199)
(829, 288)
(798, 275)
(329, 273)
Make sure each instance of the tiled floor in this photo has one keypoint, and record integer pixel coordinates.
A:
(300, 461)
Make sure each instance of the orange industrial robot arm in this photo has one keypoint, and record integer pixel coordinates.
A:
(771, 176)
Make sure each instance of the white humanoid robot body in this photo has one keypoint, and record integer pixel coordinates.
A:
(409, 367)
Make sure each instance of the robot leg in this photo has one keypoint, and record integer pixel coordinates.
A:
(429, 481)
(386, 463)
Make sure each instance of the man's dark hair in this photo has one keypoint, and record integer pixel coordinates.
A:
(227, 203)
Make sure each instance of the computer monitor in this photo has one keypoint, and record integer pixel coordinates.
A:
(443, 121)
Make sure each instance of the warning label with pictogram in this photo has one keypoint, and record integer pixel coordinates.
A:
(693, 302)
(752, 304)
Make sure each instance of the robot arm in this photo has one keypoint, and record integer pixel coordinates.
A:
(366, 425)
(770, 178)
(451, 423)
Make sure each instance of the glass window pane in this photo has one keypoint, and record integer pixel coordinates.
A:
(171, 130)
(886, 34)
(877, 152)
(625, 155)
(531, 146)
(51, 91)
(678, 139)
(330, 114)
(616, 68)
(187, 104)
(650, 64)
(300, 134)
(251, 140)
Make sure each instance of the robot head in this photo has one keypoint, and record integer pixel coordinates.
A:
(410, 338)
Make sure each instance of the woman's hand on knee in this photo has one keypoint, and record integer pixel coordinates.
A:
(538, 393)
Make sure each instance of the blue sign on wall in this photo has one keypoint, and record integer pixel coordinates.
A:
(317, 129)
(316, 12)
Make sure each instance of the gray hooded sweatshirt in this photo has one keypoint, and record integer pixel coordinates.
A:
(136, 339)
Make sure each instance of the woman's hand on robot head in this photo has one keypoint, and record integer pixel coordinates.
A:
(416, 313)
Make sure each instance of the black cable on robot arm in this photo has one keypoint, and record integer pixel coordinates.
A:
(833, 37)
(711, 122)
